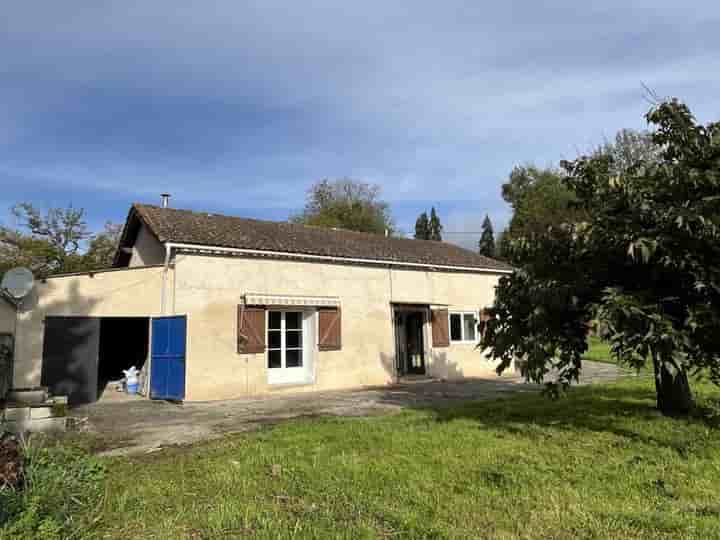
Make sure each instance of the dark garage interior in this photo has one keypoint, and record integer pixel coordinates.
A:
(82, 354)
(124, 342)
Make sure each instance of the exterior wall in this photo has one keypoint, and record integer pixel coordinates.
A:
(7, 318)
(117, 293)
(209, 289)
(147, 249)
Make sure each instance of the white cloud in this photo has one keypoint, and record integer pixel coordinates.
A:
(435, 101)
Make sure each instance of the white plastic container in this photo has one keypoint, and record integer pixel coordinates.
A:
(131, 380)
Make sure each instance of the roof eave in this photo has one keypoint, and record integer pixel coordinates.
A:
(329, 258)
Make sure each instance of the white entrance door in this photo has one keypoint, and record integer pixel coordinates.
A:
(290, 339)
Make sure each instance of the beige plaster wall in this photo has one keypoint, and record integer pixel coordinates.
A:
(209, 289)
(7, 318)
(135, 292)
(147, 249)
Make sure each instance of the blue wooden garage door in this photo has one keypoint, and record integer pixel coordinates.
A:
(167, 368)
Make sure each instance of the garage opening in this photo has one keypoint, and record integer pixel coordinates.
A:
(81, 355)
(124, 342)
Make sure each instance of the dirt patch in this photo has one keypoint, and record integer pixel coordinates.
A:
(11, 463)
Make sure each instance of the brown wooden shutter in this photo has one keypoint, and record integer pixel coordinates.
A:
(440, 332)
(251, 329)
(330, 329)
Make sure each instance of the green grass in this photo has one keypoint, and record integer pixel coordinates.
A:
(599, 464)
(598, 351)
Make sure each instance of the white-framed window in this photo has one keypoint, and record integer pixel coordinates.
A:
(463, 326)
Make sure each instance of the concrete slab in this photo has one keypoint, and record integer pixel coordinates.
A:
(140, 425)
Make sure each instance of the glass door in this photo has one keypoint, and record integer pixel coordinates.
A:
(289, 349)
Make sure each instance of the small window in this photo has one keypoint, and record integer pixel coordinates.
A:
(463, 327)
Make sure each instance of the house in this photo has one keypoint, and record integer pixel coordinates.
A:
(216, 307)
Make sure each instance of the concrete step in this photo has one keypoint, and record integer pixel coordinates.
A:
(35, 425)
(28, 396)
(49, 416)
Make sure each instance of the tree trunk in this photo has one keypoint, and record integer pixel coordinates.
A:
(673, 393)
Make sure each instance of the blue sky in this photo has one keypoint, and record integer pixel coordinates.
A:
(239, 107)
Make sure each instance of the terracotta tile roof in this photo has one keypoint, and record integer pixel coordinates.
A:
(203, 229)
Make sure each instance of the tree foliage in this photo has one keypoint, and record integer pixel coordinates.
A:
(55, 242)
(102, 247)
(639, 254)
(539, 200)
(436, 227)
(346, 204)
(422, 227)
(486, 244)
(428, 228)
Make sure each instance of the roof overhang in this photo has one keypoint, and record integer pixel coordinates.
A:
(218, 250)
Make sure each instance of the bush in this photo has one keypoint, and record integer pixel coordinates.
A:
(61, 481)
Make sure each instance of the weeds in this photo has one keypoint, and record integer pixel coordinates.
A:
(62, 484)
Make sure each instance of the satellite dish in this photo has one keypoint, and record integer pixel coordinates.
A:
(17, 282)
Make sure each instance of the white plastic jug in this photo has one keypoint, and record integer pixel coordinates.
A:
(131, 379)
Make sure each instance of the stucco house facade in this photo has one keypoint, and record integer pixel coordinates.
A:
(217, 307)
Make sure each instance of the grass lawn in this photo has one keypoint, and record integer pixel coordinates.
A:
(599, 464)
(598, 351)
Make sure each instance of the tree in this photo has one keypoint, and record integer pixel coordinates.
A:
(629, 147)
(53, 242)
(346, 204)
(422, 227)
(102, 247)
(435, 226)
(642, 262)
(539, 200)
(57, 242)
(486, 245)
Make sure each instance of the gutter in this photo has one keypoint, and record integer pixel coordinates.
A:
(286, 255)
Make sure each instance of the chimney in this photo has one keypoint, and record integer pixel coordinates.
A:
(165, 198)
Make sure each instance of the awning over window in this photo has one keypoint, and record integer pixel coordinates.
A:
(252, 299)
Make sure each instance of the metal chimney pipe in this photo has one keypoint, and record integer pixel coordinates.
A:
(165, 198)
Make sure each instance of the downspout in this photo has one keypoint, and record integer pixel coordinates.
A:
(163, 292)
(396, 359)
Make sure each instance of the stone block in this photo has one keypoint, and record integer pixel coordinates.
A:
(17, 414)
(37, 413)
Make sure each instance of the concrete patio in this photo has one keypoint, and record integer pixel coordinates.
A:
(134, 425)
